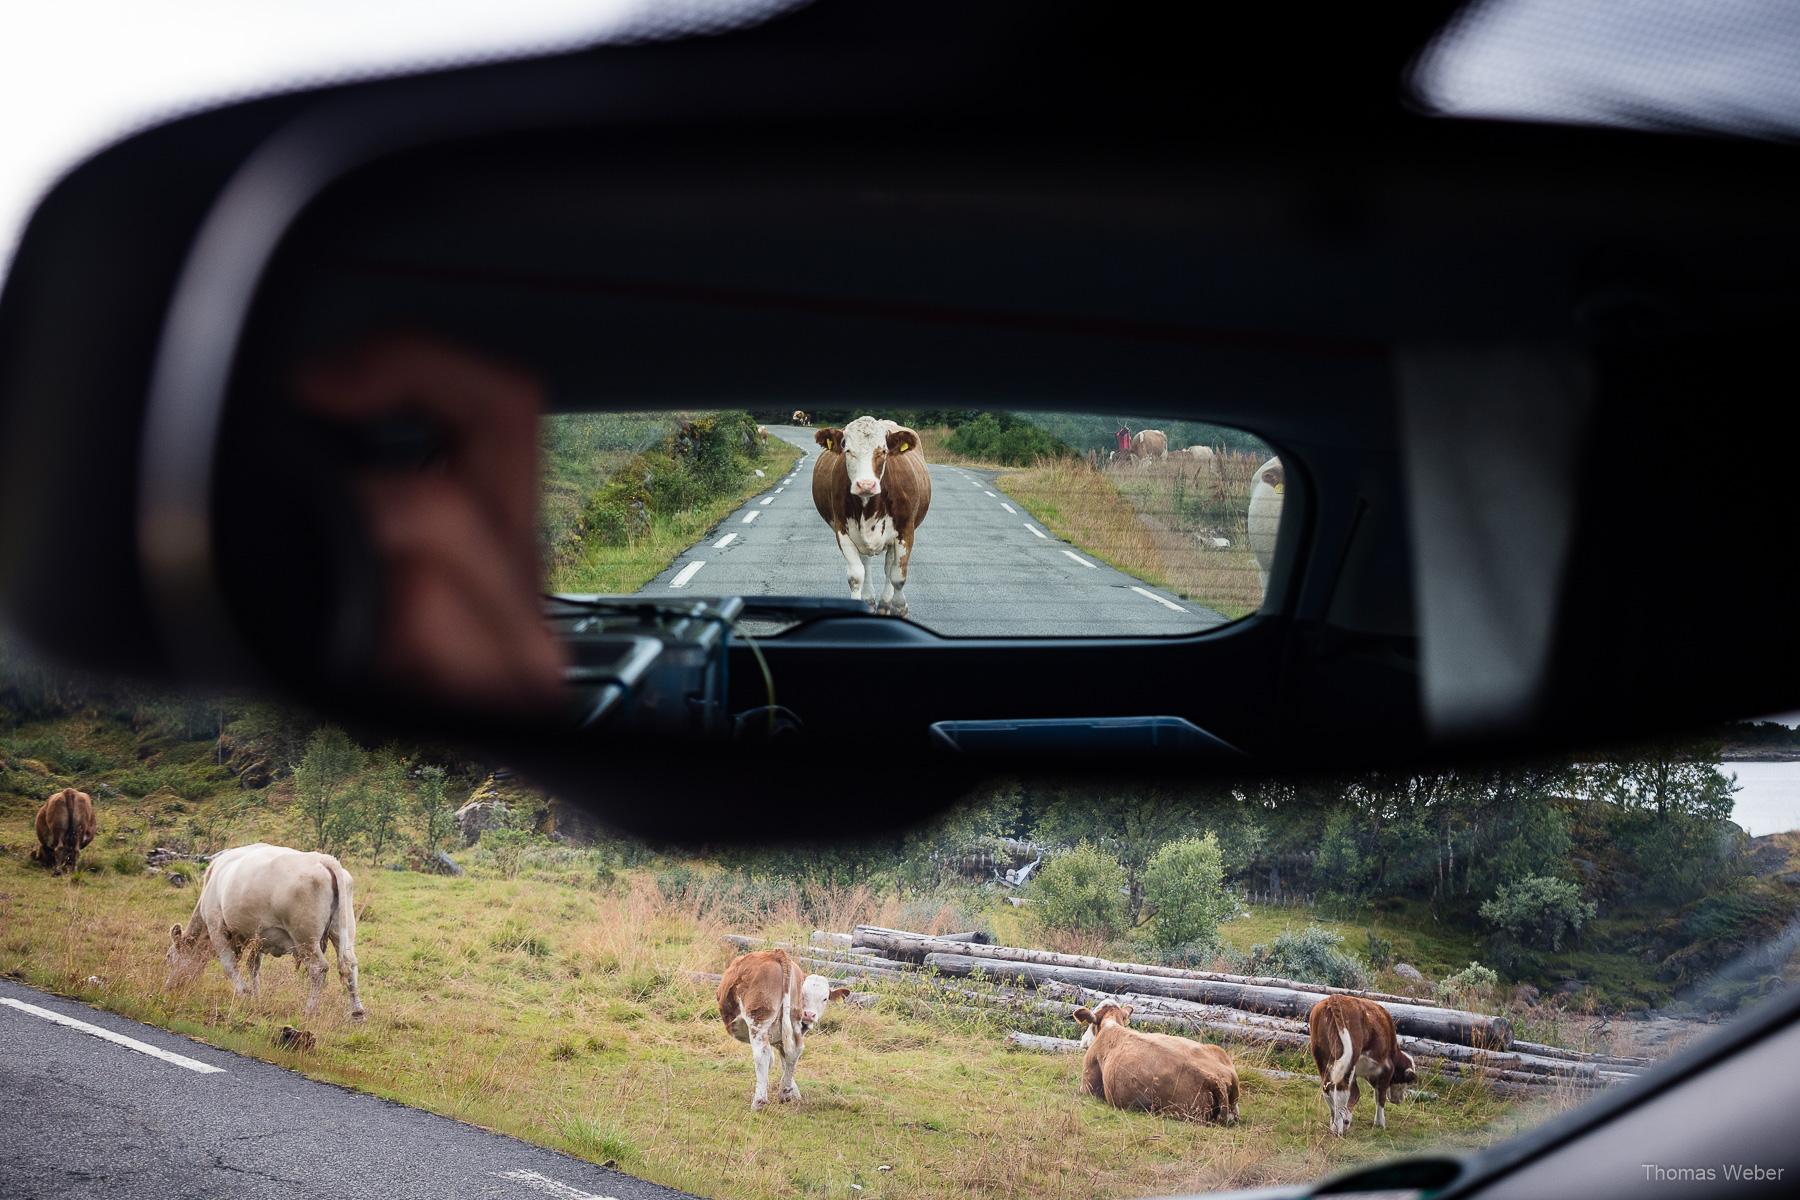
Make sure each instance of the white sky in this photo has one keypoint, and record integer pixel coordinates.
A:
(78, 74)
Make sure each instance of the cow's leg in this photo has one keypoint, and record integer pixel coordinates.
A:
(1381, 1107)
(339, 935)
(789, 1090)
(309, 955)
(763, 1054)
(253, 962)
(853, 560)
(228, 958)
(899, 554)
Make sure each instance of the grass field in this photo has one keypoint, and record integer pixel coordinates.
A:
(564, 1016)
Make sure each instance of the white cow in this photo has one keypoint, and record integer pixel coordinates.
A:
(1263, 519)
(271, 900)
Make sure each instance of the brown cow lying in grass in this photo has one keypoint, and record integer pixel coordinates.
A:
(1155, 1072)
(1353, 1037)
(766, 1000)
(65, 825)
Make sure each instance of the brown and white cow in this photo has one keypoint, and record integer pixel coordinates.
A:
(765, 999)
(271, 900)
(1154, 1072)
(65, 825)
(872, 487)
(1354, 1038)
(1149, 445)
(800, 418)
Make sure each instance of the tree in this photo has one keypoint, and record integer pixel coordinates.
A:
(433, 809)
(1184, 885)
(321, 781)
(1676, 803)
(386, 800)
(1538, 911)
(1082, 890)
(1129, 827)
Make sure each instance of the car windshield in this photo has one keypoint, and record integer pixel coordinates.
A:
(971, 522)
(1539, 933)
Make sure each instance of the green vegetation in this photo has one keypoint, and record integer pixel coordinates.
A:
(1083, 891)
(1314, 954)
(1184, 888)
(624, 495)
(1005, 439)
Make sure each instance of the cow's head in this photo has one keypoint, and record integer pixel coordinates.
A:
(866, 445)
(186, 955)
(1405, 1070)
(1107, 1012)
(815, 993)
(1274, 476)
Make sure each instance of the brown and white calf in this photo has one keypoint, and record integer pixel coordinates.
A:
(765, 999)
(1354, 1038)
(872, 487)
(1154, 1072)
(65, 825)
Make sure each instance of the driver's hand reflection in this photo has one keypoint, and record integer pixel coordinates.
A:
(463, 618)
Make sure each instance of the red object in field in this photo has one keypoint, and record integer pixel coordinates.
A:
(1124, 436)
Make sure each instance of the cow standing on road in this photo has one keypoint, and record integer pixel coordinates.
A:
(768, 1002)
(65, 825)
(872, 487)
(271, 900)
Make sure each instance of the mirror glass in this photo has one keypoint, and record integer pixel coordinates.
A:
(970, 522)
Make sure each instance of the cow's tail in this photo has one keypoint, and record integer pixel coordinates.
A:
(340, 923)
(71, 838)
(789, 1040)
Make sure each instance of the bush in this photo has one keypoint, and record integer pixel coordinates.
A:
(1005, 438)
(1473, 982)
(128, 862)
(1311, 955)
(1082, 890)
(1538, 911)
(1184, 884)
(1380, 951)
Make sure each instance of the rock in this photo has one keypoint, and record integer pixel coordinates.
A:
(177, 880)
(95, 981)
(1525, 996)
(1409, 973)
(478, 815)
(443, 864)
(1570, 987)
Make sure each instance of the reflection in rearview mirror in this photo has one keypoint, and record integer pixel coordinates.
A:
(972, 523)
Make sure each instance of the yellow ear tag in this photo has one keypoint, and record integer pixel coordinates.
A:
(904, 447)
(1279, 488)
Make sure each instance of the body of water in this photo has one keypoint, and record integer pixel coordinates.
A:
(1768, 796)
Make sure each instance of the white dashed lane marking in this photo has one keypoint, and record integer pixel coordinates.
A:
(1152, 595)
(752, 515)
(767, 500)
(1084, 562)
(989, 494)
(725, 541)
(117, 1039)
(686, 573)
(1009, 508)
(1035, 530)
(546, 1186)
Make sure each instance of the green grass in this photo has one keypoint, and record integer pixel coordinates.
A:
(619, 569)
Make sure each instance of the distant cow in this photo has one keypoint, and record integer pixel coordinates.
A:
(872, 487)
(65, 825)
(1200, 454)
(1154, 1072)
(1263, 518)
(762, 433)
(271, 900)
(1149, 445)
(767, 1001)
(1354, 1038)
(800, 418)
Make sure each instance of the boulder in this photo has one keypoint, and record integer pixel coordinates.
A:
(1409, 973)
(479, 814)
(1525, 996)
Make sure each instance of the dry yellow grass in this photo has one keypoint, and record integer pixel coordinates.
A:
(1154, 521)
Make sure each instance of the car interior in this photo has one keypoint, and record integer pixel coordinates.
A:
(1514, 370)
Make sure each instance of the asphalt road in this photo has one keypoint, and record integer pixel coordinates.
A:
(83, 1116)
(981, 566)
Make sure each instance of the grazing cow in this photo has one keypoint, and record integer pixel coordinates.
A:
(271, 900)
(762, 433)
(800, 418)
(65, 825)
(872, 487)
(1155, 1072)
(1263, 519)
(767, 1001)
(1149, 445)
(1352, 1038)
(1200, 454)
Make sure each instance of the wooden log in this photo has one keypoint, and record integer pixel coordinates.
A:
(822, 938)
(1594, 1056)
(1442, 1024)
(1048, 1045)
(914, 946)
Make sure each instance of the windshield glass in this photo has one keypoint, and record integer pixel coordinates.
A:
(970, 522)
(1539, 933)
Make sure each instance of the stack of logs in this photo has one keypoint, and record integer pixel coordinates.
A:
(1248, 1010)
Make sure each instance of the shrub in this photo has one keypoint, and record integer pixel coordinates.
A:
(1082, 890)
(1311, 955)
(1473, 982)
(1538, 911)
(1005, 438)
(1184, 884)
(1380, 951)
(128, 862)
